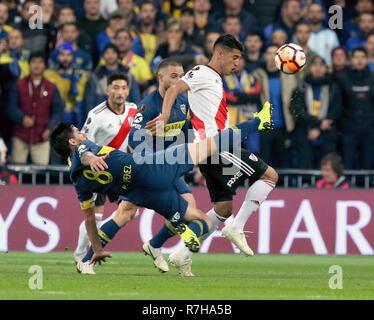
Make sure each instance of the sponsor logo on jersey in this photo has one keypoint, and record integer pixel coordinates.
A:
(190, 74)
(138, 118)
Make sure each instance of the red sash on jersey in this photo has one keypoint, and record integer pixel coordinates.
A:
(123, 131)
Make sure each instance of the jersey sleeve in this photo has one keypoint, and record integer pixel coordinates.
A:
(194, 79)
(90, 128)
(86, 199)
(138, 132)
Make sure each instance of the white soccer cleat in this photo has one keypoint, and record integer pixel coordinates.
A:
(237, 237)
(79, 256)
(85, 267)
(156, 255)
(183, 265)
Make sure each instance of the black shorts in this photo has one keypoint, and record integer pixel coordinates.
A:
(225, 172)
(100, 199)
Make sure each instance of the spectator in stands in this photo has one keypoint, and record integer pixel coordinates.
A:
(289, 15)
(366, 26)
(35, 107)
(82, 58)
(71, 84)
(351, 27)
(191, 34)
(138, 66)
(234, 8)
(357, 121)
(93, 23)
(16, 53)
(97, 85)
(7, 80)
(332, 173)
(243, 95)
(203, 21)
(148, 29)
(302, 35)
(369, 46)
(253, 44)
(14, 16)
(316, 105)
(322, 39)
(4, 29)
(209, 42)
(48, 7)
(277, 88)
(339, 59)
(232, 25)
(34, 39)
(66, 14)
(173, 8)
(279, 37)
(128, 8)
(116, 22)
(175, 47)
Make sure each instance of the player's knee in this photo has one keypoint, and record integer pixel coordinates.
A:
(125, 213)
(270, 174)
(224, 209)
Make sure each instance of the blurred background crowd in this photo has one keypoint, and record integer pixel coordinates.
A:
(58, 70)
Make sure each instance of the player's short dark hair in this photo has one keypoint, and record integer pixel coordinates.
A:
(166, 63)
(59, 138)
(336, 163)
(359, 49)
(228, 41)
(38, 54)
(117, 76)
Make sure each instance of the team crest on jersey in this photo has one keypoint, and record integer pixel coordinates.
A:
(142, 108)
(183, 108)
(253, 157)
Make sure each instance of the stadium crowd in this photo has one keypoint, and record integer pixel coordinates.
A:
(58, 72)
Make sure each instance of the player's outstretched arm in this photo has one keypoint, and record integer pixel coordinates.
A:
(90, 221)
(157, 124)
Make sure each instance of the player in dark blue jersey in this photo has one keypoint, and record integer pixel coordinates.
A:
(139, 179)
(175, 132)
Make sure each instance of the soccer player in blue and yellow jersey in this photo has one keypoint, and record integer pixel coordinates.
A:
(175, 132)
(139, 179)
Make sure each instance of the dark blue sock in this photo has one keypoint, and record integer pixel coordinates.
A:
(160, 238)
(199, 227)
(106, 234)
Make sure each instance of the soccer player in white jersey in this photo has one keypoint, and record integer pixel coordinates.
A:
(207, 101)
(107, 124)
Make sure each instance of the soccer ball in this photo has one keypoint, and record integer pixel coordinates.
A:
(290, 58)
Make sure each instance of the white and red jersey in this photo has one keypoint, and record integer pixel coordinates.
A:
(107, 128)
(207, 100)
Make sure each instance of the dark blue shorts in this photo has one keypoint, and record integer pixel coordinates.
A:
(158, 186)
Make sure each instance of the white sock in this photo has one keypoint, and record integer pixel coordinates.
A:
(256, 194)
(217, 220)
(83, 240)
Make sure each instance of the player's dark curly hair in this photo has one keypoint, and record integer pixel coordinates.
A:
(59, 138)
(228, 41)
(117, 76)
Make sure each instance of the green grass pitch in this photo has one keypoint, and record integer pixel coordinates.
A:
(217, 277)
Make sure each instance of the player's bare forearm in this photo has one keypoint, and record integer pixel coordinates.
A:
(93, 236)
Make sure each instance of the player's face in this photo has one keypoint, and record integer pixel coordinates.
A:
(230, 61)
(328, 173)
(78, 137)
(118, 92)
(170, 77)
